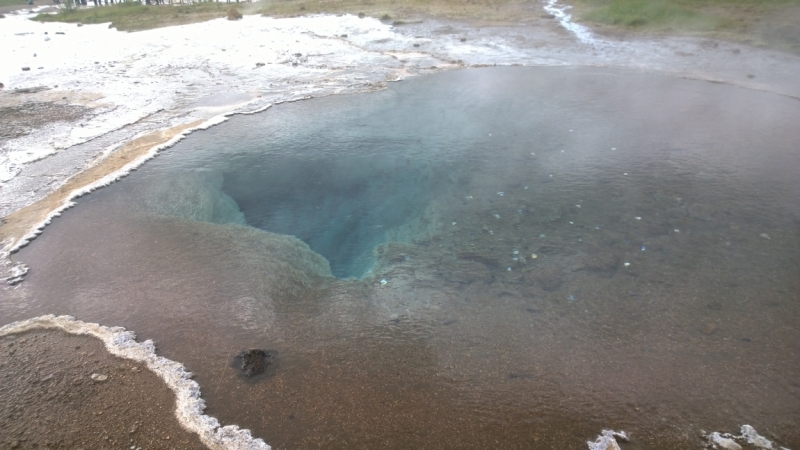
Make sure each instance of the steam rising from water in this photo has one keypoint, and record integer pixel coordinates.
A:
(470, 340)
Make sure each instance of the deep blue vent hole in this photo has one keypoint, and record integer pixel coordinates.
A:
(342, 207)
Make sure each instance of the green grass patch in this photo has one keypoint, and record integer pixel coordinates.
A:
(133, 16)
(393, 10)
(766, 23)
(13, 2)
(638, 13)
(679, 15)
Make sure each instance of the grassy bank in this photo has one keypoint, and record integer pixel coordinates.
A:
(490, 10)
(134, 16)
(770, 23)
(767, 23)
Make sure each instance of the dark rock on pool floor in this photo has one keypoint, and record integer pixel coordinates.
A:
(254, 361)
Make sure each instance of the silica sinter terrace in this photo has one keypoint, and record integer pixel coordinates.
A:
(500, 257)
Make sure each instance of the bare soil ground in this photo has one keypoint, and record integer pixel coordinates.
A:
(26, 110)
(64, 391)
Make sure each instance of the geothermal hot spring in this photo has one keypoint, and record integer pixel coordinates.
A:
(485, 258)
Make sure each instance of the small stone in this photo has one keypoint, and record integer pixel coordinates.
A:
(765, 236)
(548, 16)
(99, 377)
(361, 15)
(25, 69)
(463, 39)
(709, 328)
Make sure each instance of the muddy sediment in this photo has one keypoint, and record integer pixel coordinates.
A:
(60, 390)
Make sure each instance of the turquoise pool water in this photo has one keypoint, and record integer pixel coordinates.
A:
(498, 257)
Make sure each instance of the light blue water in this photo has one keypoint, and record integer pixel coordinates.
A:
(662, 300)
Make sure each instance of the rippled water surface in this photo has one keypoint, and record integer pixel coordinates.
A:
(488, 258)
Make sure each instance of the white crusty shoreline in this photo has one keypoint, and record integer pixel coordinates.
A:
(135, 83)
(189, 405)
(138, 83)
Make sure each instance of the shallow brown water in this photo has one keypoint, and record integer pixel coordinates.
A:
(699, 332)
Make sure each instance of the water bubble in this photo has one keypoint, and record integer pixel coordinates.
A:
(526, 186)
(643, 249)
(627, 264)
(541, 236)
(383, 281)
(509, 269)
(496, 216)
(501, 193)
(571, 297)
(638, 218)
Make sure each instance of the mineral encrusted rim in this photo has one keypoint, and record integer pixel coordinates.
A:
(189, 405)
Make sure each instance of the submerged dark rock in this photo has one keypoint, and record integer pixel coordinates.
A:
(255, 361)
